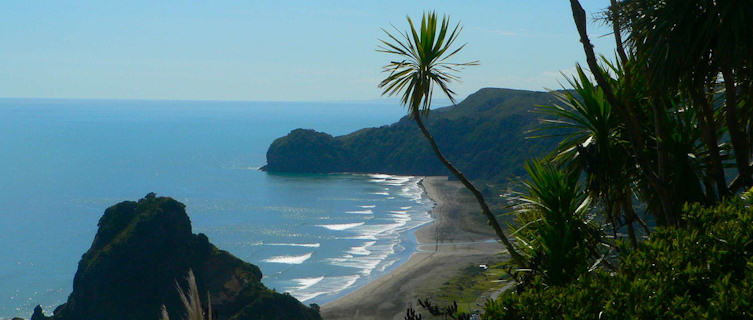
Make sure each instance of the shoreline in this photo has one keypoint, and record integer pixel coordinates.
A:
(457, 238)
(406, 237)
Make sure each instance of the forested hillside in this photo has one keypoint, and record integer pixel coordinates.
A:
(485, 135)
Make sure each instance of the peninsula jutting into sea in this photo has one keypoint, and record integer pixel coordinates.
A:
(483, 160)
(317, 236)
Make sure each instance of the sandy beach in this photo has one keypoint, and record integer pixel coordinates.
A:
(457, 238)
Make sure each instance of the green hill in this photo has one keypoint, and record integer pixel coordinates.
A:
(485, 136)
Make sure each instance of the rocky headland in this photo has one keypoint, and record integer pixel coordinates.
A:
(487, 136)
(139, 252)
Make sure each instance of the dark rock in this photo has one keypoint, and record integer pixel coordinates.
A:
(139, 252)
(38, 314)
(307, 151)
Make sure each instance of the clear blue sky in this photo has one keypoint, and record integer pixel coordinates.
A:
(268, 50)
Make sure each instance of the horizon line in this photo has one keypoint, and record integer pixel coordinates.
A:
(386, 100)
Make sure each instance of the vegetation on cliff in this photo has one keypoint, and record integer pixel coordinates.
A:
(143, 248)
(485, 135)
(653, 134)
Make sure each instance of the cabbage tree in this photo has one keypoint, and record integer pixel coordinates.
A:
(423, 64)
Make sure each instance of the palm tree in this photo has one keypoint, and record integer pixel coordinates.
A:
(424, 63)
(557, 235)
(689, 43)
(595, 146)
(656, 179)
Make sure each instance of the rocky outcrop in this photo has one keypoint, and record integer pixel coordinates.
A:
(139, 252)
(306, 150)
(38, 314)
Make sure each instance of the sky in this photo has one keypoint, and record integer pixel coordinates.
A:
(270, 50)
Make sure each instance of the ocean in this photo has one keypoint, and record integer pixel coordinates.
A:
(317, 236)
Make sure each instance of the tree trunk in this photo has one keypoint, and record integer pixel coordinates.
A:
(708, 130)
(662, 156)
(739, 142)
(659, 128)
(476, 193)
(629, 219)
(617, 32)
(626, 111)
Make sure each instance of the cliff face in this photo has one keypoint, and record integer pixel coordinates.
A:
(485, 136)
(141, 249)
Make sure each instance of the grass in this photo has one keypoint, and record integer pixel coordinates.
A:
(191, 301)
(472, 286)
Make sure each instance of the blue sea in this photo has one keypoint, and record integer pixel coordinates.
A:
(63, 162)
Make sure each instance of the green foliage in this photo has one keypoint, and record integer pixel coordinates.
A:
(687, 42)
(704, 270)
(425, 65)
(322, 152)
(555, 232)
(449, 312)
(473, 284)
(485, 135)
(425, 55)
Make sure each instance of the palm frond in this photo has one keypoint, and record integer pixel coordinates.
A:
(424, 51)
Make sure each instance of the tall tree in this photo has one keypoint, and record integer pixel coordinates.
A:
(627, 112)
(593, 144)
(424, 64)
(687, 44)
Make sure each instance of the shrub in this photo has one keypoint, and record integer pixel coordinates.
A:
(703, 269)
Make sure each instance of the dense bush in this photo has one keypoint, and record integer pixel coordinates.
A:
(703, 269)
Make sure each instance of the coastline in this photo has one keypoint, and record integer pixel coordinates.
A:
(458, 237)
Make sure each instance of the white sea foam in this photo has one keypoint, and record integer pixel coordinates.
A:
(364, 261)
(380, 236)
(398, 181)
(360, 212)
(387, 264)
(344, 282)
(306, 296)
(341, 226)
(305, 283)
(249, 243)
(401, 216)
(315, 287)
(362, 250)
(307, 245)
(289, 259)
(412, 192)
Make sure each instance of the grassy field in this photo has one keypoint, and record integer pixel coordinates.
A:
(473, 286)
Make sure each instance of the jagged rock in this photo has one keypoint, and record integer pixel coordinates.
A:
(38, 314)
(139, 252)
